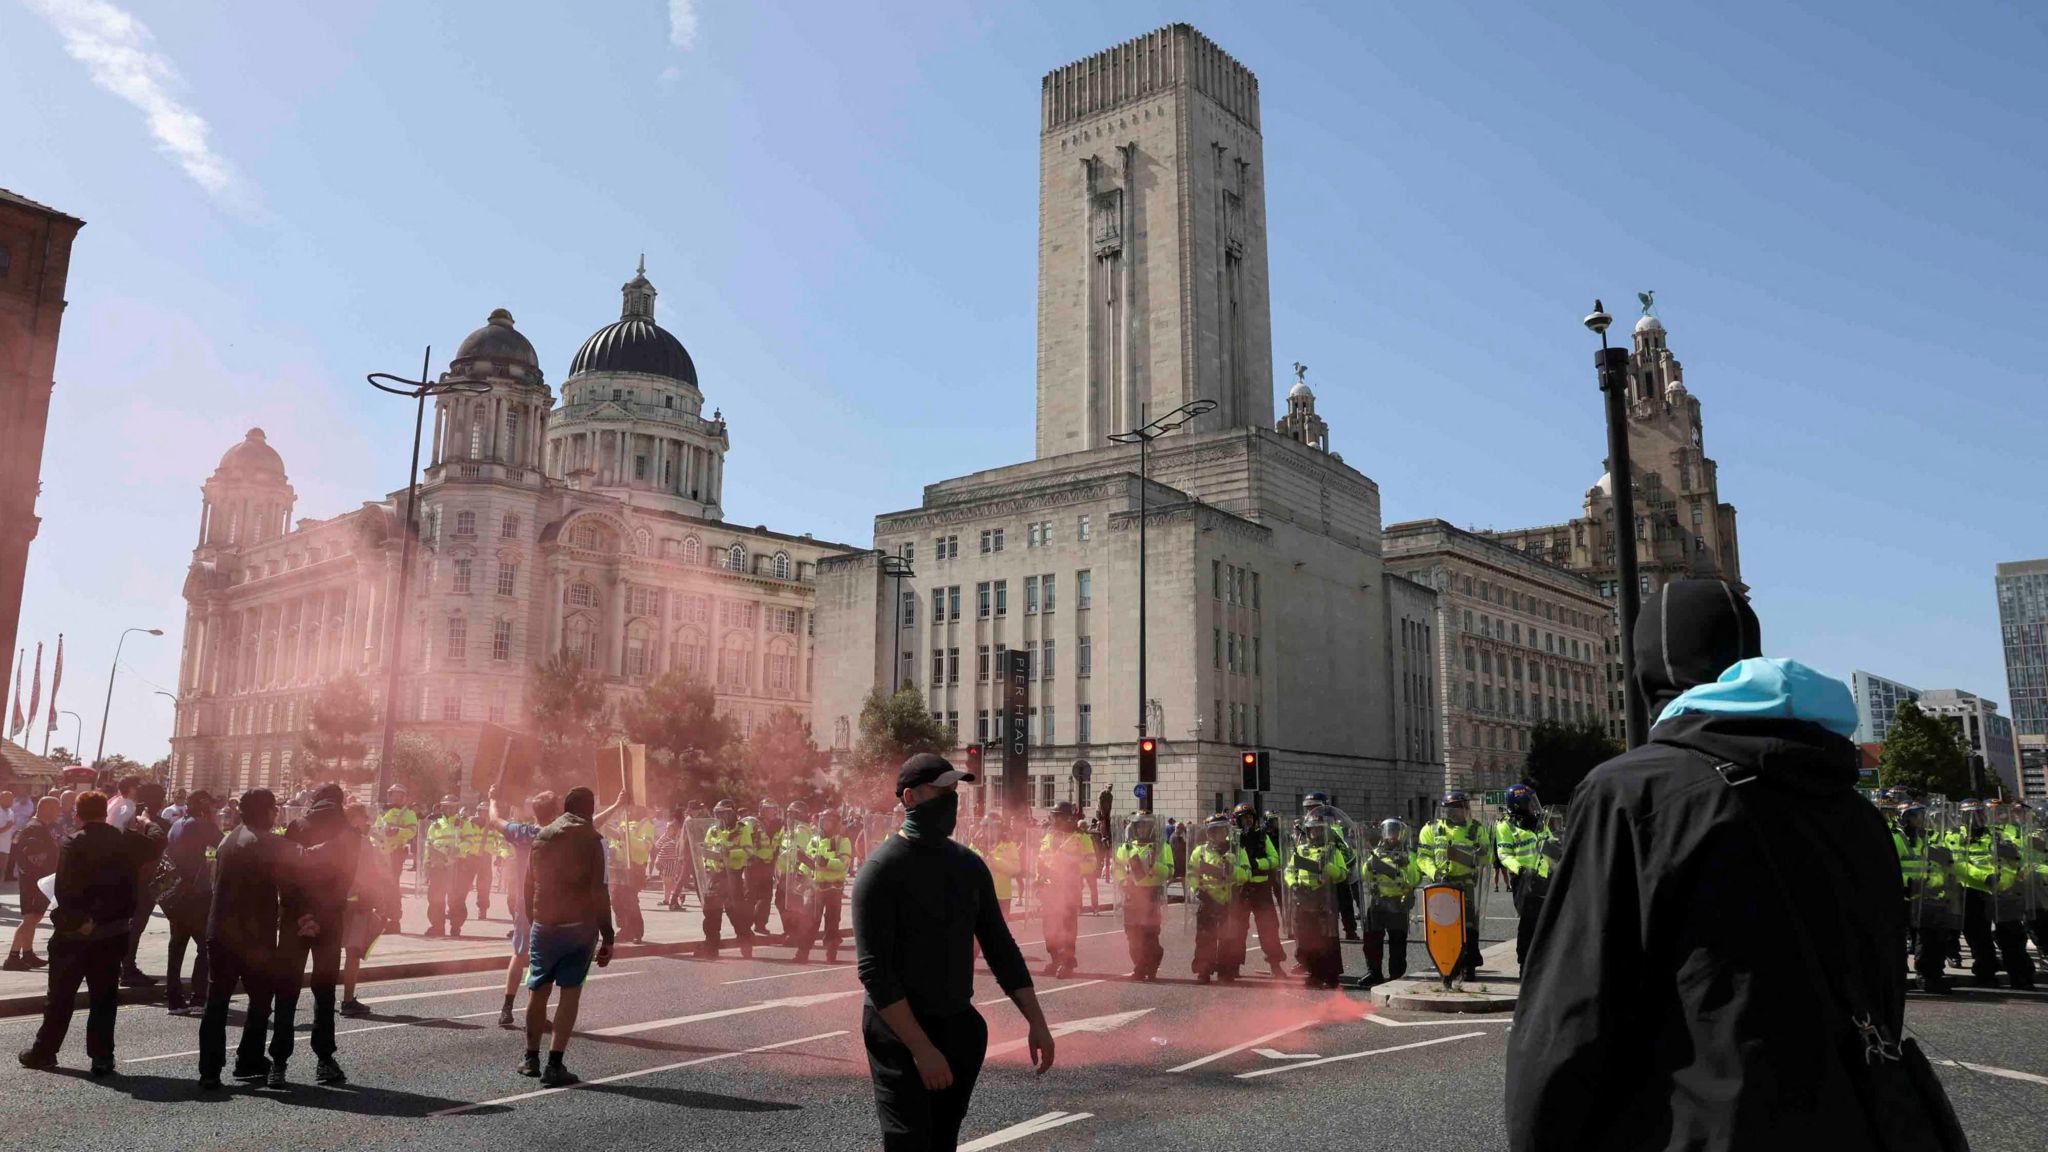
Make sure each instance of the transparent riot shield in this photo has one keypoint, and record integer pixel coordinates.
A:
(795, 895)
(1316, 870)
(1215, 876)
(2037, 879)
(1139, 872)
(2005, 861)
(1926, 836)
(717, 889)
(1391, 879)
(1353, 841)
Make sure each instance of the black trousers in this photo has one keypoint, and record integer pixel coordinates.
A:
(829, 901)
(1142, 912)
(1256, 904)
(1930, 954)
(145, 903)
(1214, 921)
(486, 868)
(632, 921)
(1315, 939)
(1347, 909)
(175, 966)
(445, 897)
(757, 892)
(914, 1118)
(97, 965)
(725, 901)
(227, 971)
(1388, 946)
(325, 952)
(1061, 920)
(1992, 943)
(1528, 897)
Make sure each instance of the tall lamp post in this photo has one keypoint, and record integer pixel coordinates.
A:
(1612, 367)
(417, 391)
(898, 569)
(105, 711)
(1143, 436)
(77, 730)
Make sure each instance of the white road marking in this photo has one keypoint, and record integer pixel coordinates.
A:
(1988, 1070)
(1354, 1056)
(343, 1032)
(1042, 992)
(1276, 1054)
(1108, 1023)
(1236, 1048)
(498, 987)
(787, 975)
(1999, 991)
(1082, 936)
(633, 1075)
(721, 1013)
(1462, 1018)
(1045, 1123)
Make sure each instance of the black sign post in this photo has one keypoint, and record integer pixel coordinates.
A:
(1016, 674)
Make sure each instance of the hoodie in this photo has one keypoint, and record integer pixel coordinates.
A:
(324, 877)
(1667, 1002)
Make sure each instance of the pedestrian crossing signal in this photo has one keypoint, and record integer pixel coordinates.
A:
(974, 759)
(1148, 761)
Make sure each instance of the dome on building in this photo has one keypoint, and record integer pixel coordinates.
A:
(1649, 324)
(498, 340)
(635, 343)
(1605, 484)
(1300, 390)
(253, 455)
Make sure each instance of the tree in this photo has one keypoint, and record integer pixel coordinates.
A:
(62, 757)
(1925, 753)
(677, 718)
(780, 760)
(1561, 754)
(892, 729)
(118, 766)
(423, 767)
(569, 709)
(335, 725)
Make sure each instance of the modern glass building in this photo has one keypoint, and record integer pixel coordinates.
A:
(1877, 700)
(2023, 628)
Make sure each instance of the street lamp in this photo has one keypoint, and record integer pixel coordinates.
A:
(1143, 437)
(418, 391)
(898, 569)
(1612, 367)
(101, 754)
(77, 730)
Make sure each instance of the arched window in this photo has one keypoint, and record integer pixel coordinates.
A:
(782, 565)
(580, 643)
(693, 552)
(736, 558)
(639, 658)
(582, 596)
(688, 654)
(733, 659)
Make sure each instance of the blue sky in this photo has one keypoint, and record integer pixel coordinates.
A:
(1841, 214)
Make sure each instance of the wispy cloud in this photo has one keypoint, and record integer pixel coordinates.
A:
(120, 52)
(682, 23)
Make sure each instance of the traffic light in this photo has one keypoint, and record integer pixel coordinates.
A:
(974, 760)
(1148, 761)
(1250, 760)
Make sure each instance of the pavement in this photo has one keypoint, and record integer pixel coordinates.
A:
(766, 1054)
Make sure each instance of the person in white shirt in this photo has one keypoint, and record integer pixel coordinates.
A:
(122, 809)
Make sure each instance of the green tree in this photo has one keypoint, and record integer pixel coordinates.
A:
(1925, 753)
(426, 769)
(570, 711)
(1561, 754)
(892, 729)
(335, 726)
(780, 760)
(677, 718)
(62, 757)
(117, 766)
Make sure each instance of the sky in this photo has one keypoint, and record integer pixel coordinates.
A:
(1841, 215)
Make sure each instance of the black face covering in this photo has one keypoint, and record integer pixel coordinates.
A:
(934, 819)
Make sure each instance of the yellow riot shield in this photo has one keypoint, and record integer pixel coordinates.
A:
(1443, 926)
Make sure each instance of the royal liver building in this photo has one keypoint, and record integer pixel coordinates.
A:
(592, 527)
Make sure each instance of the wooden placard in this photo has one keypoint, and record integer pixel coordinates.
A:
(621, 771)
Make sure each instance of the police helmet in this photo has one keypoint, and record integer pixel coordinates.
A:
(724, 808)
(1521, 797)
(798, 810)
(1239, 812)
(1455, 796)
(1217, 822)
(1314, 800)
(1064, 810)
(1912, 813)
(1393, 831)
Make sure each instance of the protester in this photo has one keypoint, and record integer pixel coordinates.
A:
(121, 809)
(572, 926)
(1725, 905)
(35, 856)
(320, 891)
(252, 868)
(920, 905)
(546, 808)
(149, 801)
(189, 850)
(8, 820)
(96, 868)
(373, 909)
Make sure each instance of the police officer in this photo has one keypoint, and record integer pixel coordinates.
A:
(1926, 864)
(472, 870)
(1451, 850)
(443, 862)
(1257, 899)
(1217, 868)
(728, 848)
(395, 830)
(824, 863)
(1143, 866)
(1391, 877)
(1519, 838)
(790, 846)
(1315, 870)
(1347, 900)
(1989, 864)
(629, 845)
(1064, 855)
(758, 878)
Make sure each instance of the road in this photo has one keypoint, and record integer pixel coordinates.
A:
(765, 1054)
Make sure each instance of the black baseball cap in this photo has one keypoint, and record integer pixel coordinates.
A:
(928, 768)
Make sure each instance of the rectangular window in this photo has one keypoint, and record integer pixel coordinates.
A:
(462, 575)
(1081, 533)
(1084, 656)
(952, 547)
(953, 602)
(1230, 651)
(1255, 657)
(465, 523)
(451, 707)
(508, 574)
(1258, 724)
(987, 536)
(981, 726)
(908, 551)
(1050, 733)
(909, 610)
(501, 640)
(1031, 595)
(643, 601)
(508, 528)
(1045, 585)
(1216, 647)
(1255, 591)
(1215, 579)
(636, 656)
(1086, 735)
(938, 605)
(938, 667)
(952, 665)
(1031, 659)
(1045, 661)
(1031, 537)
(458, 639)
(1084, 589)
(998, 541)
(1002, 598)
(981, 600)
(981, 664)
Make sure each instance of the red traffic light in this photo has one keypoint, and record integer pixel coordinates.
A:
(1148, 746)
(1251, 759)
(974, 757)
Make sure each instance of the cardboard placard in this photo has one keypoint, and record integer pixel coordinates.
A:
(506, 760)
(621, 770)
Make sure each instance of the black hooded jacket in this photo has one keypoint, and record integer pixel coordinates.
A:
(1667, 1001)
(327, 875)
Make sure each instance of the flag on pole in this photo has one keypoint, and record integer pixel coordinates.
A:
(56, 677)
(20, 721)
(35, 688)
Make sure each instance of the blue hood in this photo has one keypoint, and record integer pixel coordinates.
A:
(1784, 689)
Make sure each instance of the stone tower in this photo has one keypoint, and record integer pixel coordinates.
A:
(1152, 287)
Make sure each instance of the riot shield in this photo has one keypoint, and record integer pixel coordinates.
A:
(875, 829)
(2007, 901)
(1214, 877)
(2037, 879)
(1139, 872)
(1316, 869)
(1933, 886)
(1391, 879)
(1460, 854)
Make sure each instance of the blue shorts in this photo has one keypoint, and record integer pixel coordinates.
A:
(522, 932)
(560, 954)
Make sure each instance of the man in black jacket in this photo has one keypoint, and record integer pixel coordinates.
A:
(189, 849)
(96, 869)
(253, 864)
(572, 926)
(322, 893)
(1725, 899)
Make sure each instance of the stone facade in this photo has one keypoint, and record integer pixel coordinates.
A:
(610, 554)
(1268, 616)
(1518, 640)
(35, 261)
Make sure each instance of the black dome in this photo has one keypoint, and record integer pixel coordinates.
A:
(635, 344)
(498, 340)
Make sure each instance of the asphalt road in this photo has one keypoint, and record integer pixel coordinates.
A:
(764, 1054)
